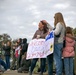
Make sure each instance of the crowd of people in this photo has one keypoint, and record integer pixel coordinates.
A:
(64, 43)
(19, 61)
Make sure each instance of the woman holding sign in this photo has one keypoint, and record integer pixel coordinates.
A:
(49, 57)
(59, 38)
(40, 33)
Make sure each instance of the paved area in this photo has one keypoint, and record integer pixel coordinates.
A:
(12, 72)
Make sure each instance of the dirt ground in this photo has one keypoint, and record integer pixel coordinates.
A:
(11, 72)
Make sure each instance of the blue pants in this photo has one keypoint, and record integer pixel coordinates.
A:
(58, 58)
(68, 65)
(50, 64)
(42, 66)
(7, 58)
(2, 63)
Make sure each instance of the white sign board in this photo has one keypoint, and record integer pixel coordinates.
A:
(41, 48)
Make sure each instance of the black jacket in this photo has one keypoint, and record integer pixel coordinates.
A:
(24, 46)
(7, 50)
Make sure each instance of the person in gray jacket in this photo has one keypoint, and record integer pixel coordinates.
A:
(59, 33)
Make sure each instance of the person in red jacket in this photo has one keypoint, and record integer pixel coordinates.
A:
(68, 52)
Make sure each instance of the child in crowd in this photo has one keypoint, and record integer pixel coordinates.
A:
(68, 52)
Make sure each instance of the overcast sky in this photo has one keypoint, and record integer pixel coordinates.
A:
(20, 18)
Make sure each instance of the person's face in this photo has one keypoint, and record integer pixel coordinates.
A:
(16, 44)
(41, 25)
(2, 43)
(18, 41)
(8, 43)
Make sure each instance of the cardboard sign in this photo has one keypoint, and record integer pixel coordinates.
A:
(41, 48)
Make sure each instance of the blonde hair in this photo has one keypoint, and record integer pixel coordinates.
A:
(59, 18)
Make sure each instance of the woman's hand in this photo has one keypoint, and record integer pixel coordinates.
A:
(38, 36)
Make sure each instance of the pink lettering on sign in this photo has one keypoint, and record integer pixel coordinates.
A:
(38, 54)
(34, 54)
(36, 43)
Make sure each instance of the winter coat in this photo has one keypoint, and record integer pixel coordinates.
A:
(7, 50)
(68, 50)
(24, 46)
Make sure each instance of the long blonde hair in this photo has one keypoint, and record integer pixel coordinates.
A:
(59, 18)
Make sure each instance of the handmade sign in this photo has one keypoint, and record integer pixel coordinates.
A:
(41, 48)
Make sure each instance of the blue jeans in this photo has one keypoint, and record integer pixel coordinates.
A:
(7, 58)
(50, 64)
(42, 64)
(68, 65)
(58, 58)
(3, 64)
